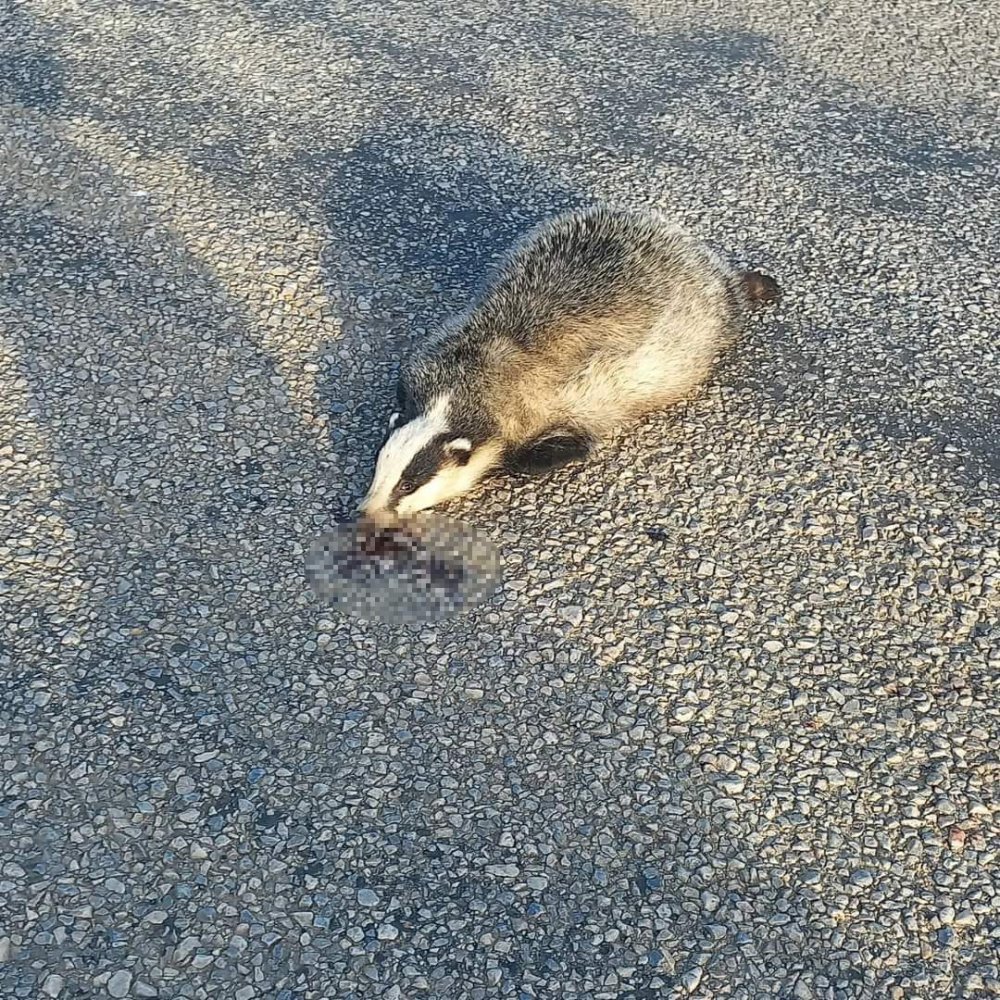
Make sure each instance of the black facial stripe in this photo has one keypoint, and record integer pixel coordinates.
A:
(427, 462)
(421, 470)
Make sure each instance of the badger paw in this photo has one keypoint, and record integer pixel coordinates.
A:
(547, 452)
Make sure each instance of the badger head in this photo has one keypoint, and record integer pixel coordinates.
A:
(429, 455)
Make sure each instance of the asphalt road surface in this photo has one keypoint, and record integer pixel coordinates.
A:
(729, 730)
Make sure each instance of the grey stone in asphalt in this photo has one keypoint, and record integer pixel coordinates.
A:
(729, 728)
(120, 983)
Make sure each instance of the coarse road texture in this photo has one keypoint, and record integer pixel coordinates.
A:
(730, 729)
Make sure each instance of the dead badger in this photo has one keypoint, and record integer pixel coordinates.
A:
(596, 318)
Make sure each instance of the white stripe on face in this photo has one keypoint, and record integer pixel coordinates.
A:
(452, 480)
(399, 451)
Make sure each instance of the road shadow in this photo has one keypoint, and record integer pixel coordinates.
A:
(30, 72)
(144, 506)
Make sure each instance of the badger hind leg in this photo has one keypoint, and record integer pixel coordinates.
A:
(547, 452)
(759, 288)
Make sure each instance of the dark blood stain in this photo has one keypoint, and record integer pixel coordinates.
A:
(227, 804)
(312, 867)
(269, 820)
(394, 543)
(648, 882)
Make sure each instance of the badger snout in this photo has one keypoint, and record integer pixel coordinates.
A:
(375, 508)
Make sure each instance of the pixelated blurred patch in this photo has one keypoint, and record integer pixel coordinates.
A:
(420, 569)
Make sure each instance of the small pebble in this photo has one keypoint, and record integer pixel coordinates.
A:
(53, 985)
(120, 983)
(503, 871)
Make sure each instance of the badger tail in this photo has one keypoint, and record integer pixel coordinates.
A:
(758, 288)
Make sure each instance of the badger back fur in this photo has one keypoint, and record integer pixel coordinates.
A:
(593, 320)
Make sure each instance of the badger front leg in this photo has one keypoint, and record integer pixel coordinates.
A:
(547, 452)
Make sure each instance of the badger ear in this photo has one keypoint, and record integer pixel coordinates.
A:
(460, 449)
(404, 401)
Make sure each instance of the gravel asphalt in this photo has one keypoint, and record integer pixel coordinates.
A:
(729, 729)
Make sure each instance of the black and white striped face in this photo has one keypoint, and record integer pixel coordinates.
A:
(422, 463)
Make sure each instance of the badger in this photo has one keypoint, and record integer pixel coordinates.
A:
(591, 321)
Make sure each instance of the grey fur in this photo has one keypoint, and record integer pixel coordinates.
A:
(594, 319)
